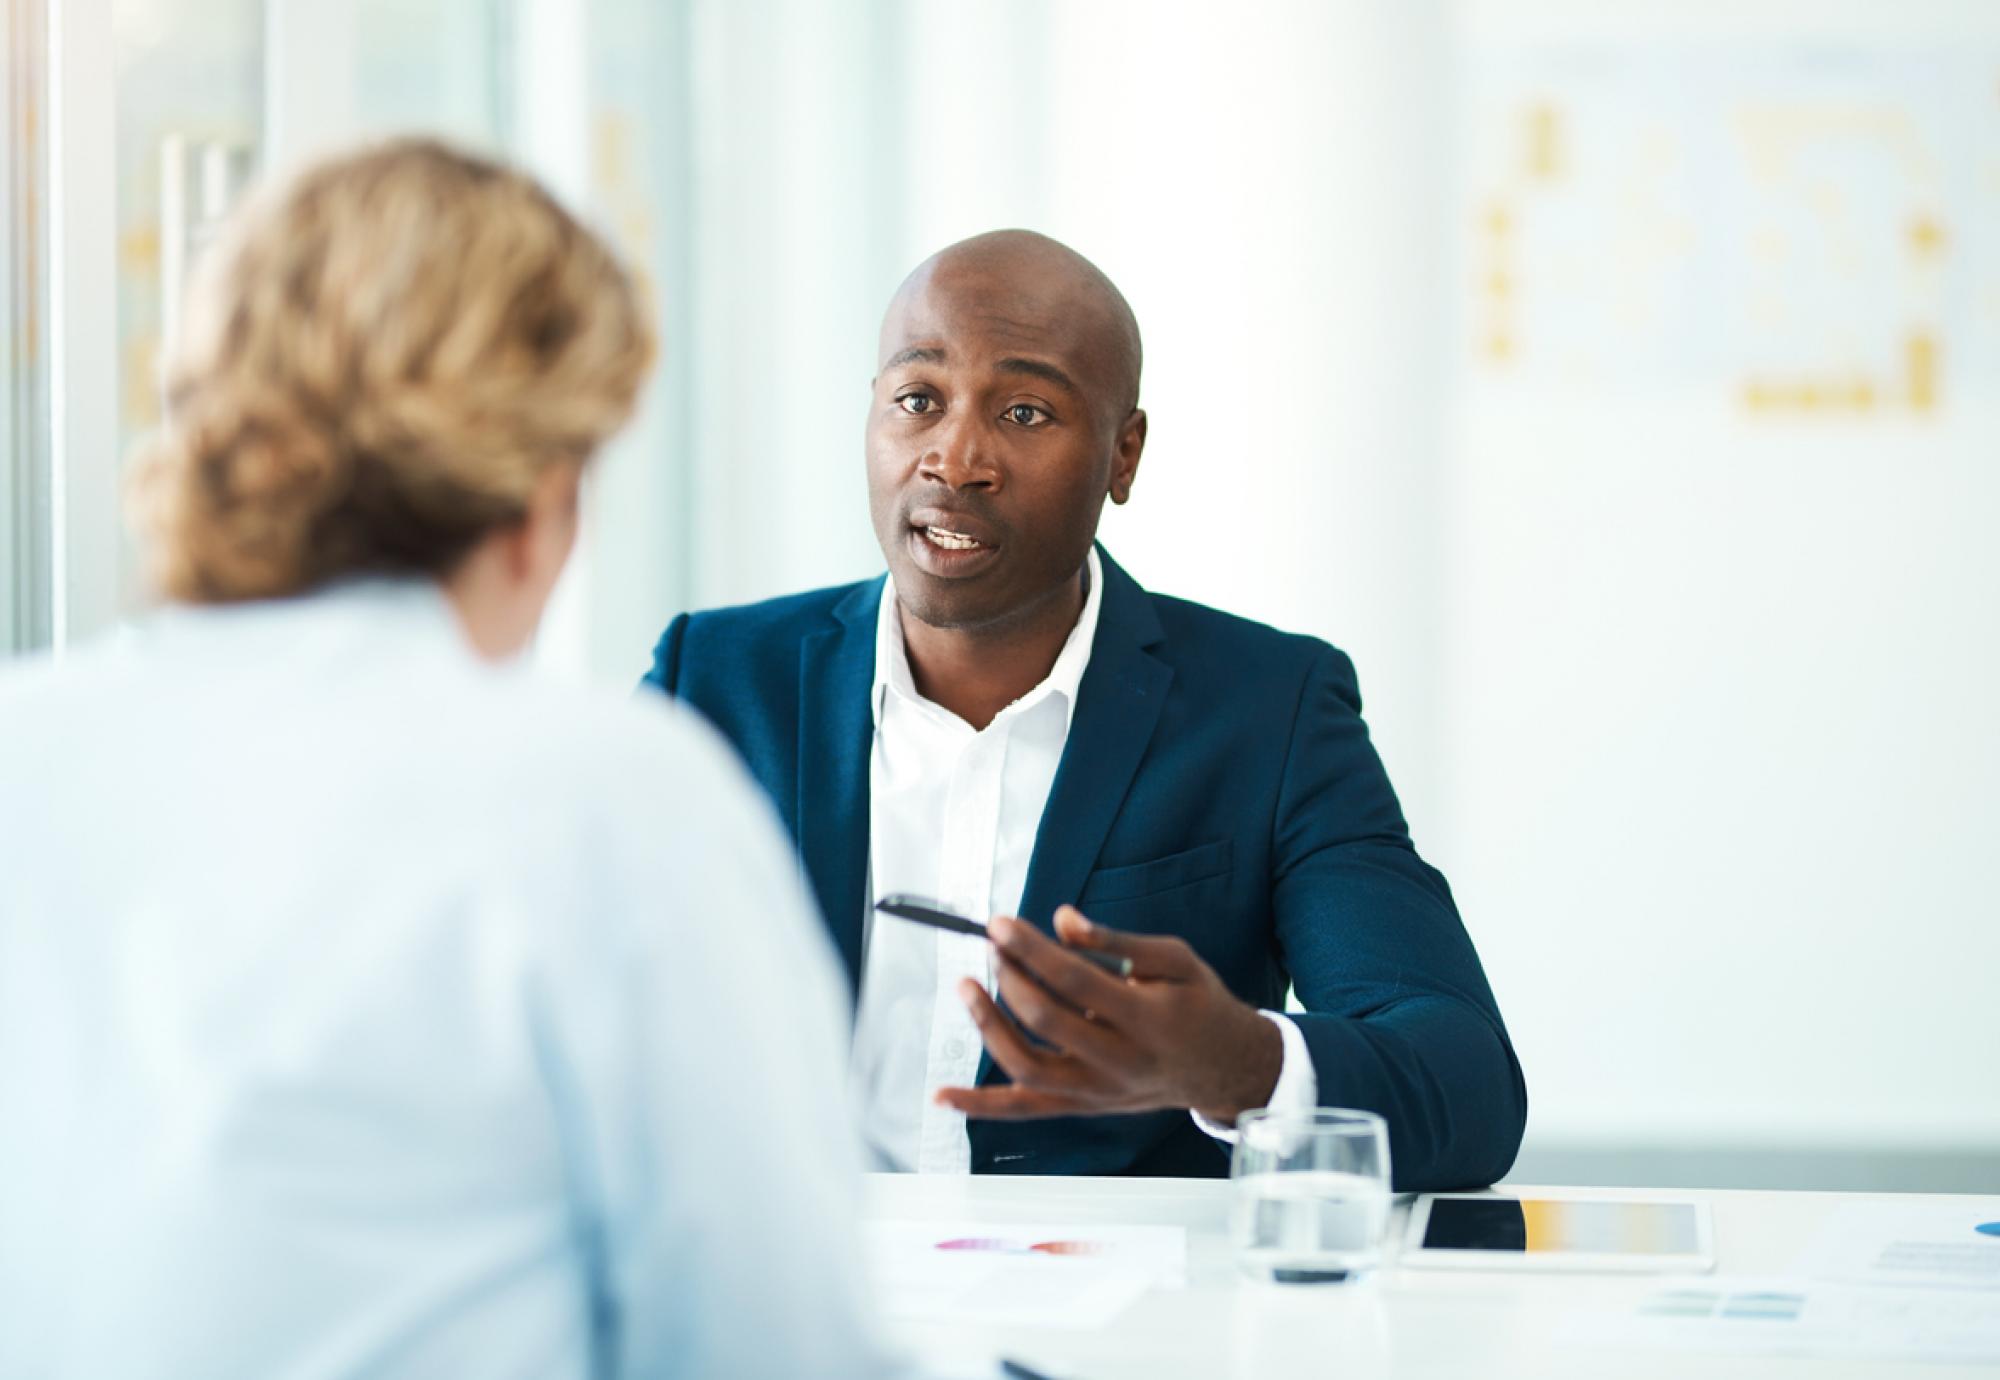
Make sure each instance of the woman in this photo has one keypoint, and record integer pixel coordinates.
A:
(366, 1007)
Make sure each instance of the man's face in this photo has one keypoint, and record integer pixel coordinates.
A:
(994, 437)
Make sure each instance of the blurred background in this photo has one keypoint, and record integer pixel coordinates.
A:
(1619, 383)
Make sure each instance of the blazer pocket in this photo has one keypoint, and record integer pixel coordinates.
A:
(1161, 874)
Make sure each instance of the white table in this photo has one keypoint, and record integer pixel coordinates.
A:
(1405, 1323)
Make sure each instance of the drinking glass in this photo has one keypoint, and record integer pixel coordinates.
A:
(1311, 1194)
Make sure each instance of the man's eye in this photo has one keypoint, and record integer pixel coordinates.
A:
(917, 404)
(1026, 414)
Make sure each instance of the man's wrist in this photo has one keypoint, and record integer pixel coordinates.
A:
(1252, 1062)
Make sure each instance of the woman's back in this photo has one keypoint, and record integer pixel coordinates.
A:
(365, 1008)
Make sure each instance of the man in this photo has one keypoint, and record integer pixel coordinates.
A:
(1013, 726)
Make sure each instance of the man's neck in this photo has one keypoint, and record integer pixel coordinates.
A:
(977, 672)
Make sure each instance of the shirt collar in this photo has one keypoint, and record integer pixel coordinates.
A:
(892, 663)
(411, 604)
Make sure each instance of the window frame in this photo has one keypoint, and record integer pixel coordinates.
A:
(26, 610)
(60, 574)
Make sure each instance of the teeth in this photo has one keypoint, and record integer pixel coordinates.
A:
(950, 541)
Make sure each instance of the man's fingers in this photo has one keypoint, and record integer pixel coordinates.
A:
(1093, 1041)
(1077, 981)
(1024, 1064)
(1163, 958)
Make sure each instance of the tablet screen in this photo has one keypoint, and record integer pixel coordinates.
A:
(1537, 1226)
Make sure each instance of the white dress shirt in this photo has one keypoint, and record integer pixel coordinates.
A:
(365, 1009)
(953, 814)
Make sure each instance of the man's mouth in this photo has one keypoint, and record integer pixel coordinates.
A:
(950, 540)
(951, 546)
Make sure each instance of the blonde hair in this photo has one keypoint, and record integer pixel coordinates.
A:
(378, 362)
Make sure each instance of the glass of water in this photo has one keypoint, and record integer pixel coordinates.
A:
(1311, 1201)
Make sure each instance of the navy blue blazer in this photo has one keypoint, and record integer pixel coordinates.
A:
(1218, 784)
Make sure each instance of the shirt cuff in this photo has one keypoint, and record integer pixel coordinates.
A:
(1297, 1089)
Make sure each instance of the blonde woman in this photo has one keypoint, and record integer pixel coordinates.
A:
(367, 1006)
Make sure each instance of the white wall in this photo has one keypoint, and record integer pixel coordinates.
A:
(1724, 773)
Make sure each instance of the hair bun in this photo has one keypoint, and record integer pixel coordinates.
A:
(377, 364)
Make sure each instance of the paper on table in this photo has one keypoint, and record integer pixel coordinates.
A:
(1908, 1244)
(1791, 1316)
(1039, 1274)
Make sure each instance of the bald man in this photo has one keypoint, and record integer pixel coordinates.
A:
(1008, 724)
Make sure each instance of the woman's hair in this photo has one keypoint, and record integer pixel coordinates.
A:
(379, 360)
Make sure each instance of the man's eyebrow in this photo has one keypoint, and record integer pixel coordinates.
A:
(1040, 369)
(915, 354)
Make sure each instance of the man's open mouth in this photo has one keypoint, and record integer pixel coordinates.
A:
(950, 540)
(952, 546)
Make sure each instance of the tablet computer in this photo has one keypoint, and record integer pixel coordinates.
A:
(1484, 1232)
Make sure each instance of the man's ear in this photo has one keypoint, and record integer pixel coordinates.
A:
(1125, 459)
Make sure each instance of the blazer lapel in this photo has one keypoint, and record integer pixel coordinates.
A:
(836, 731)
(1117, 706)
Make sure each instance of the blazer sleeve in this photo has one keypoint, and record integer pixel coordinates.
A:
(1399, 1017)
(665, 674)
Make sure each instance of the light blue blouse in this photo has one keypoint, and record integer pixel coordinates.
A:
(365, 1009)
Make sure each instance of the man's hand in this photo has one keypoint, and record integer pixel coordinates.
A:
(1171, 1035)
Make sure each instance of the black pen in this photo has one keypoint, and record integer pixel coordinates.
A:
(926, 912)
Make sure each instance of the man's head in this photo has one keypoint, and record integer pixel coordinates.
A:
(1005, 412)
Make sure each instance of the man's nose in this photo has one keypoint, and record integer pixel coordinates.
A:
(959, 458)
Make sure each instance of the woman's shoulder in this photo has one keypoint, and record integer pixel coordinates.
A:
(613, 752)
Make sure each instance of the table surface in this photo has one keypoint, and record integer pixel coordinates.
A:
(1403, 1323)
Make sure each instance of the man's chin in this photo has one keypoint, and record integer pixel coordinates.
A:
(946, 610)
(980, 604)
